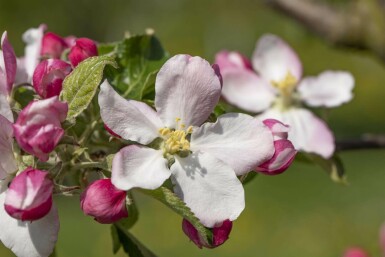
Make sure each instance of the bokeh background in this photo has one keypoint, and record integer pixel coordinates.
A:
(299, 213)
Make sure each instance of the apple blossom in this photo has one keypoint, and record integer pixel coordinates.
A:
(220, 233)
(52, 45)
(202, 161)
(38, 128)
(104, 201)
(355, 252)
(284, 150)
(277, 90)
(48, 77)
(29, 196)
(25, 239)
(83, 49)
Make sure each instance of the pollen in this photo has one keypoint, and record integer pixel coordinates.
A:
(176, 140)
(286, 85)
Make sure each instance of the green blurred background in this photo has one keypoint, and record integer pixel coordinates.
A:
(298, 214)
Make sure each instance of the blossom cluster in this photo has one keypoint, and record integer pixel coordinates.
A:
(176, 140)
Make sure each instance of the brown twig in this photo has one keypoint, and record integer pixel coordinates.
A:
(367, 141)
(360, 24)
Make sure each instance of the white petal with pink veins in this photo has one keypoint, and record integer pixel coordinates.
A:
(209, 187)
(329, 89)
(239, 140)
(7, 160)
(130, 119)
(186, 88)
(308, 133)
(273, 58)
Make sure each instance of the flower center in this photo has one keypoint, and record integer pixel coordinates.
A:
(176, 140)
(286, 95)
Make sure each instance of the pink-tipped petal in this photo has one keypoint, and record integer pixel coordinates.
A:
(237, 139)
(29, 239)
(33, 39)
(10, 65)
(220, 233)
(8, 163)
(187, 90)
(29, 196)
(52, 45)
(209, 187)
(139, 166)
(48, 77)
(279, 130)
(38, 128)
(132, 120)
(281, 160)
(246, 90)
(329, 89)
(308, 133)
(83, 49)
(228, 60)
(273, 58)
(103, 201)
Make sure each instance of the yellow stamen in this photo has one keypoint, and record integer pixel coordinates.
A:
(175, 141)
(286, 85)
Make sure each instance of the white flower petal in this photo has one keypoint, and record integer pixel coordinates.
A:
(29, 239)
(139, 166)
(308, 133)
(273, 58)
(186, 88)
(33, 39)
(329, 89)
(246, 90)
(5, 109)
(209, 187)
(132, 120)
(237, 139)
(7, 160)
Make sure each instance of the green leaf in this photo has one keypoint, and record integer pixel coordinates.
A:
(333, 166)
(133, 213)
(167, 197)
(81, 85)
(115, 239)
(131, 245)
(106, 48)
(139, 58)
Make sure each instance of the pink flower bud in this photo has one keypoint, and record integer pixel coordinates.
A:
(29, 196)
(103, 201)
(52, 45)
(284, 150)
(220, 233)
(48, 77)
(355, 252)
(82, 49)
(227, 60)
(38, 128)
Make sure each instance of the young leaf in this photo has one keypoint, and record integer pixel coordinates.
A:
(167, 197)
(81, 85)
(138, 57)
(333, 166)
(133, 213)
(115, 239)
(132, 246)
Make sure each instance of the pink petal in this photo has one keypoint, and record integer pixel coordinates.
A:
(227, 60)
(8, 163)
(355, 252)
(9, 61)
(244, 89)
(29, 239)
(273, 58)
(308, 133)
(329, 89)
(187, 88)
